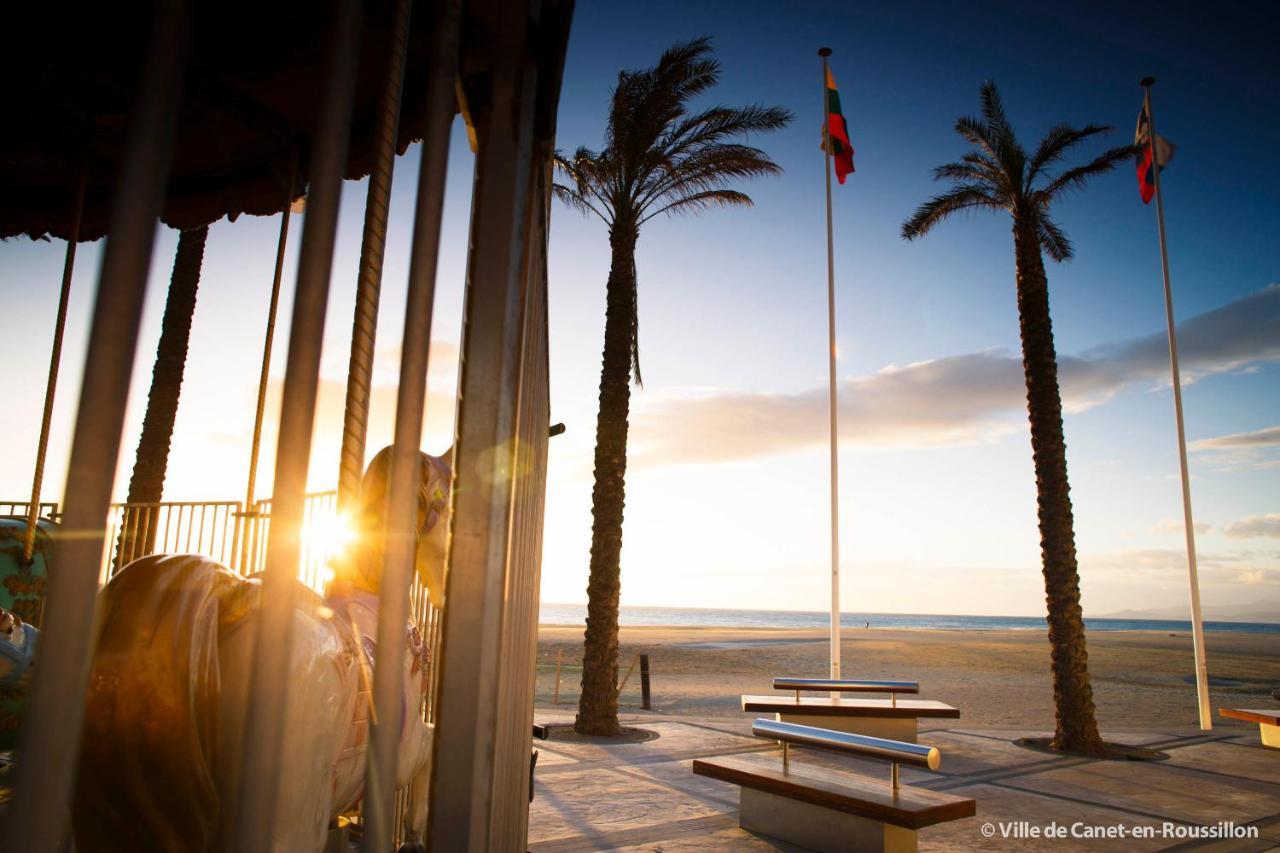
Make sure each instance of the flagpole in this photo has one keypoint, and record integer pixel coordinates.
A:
(1197, 624)
(831, 370)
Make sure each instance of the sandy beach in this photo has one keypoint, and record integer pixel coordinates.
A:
(998, 679)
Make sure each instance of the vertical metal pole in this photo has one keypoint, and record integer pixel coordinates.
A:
(249, 514)
(1197, 623)
(59, 327)
(831, 370)
(644, 682)
(364, 326)
(406, 459)
(54, 714)
(467, 715)
(255, 817)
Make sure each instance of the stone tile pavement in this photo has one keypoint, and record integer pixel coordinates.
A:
(644, 796)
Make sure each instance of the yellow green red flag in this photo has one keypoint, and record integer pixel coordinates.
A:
(838, 132)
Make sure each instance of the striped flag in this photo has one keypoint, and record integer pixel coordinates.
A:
(838, 132)
(1163, 150)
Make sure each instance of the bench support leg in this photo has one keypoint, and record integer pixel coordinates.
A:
(893, 728)
(819, 828)
(1270, 735)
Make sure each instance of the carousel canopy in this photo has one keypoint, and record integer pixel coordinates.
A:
(250, 101)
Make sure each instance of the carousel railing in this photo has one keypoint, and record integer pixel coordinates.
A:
(323, 534)
(171, 527)
(19, 509)
(218, 530)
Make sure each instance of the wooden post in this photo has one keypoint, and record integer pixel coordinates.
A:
(644, 682)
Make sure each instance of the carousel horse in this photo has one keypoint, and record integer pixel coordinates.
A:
(169, 691)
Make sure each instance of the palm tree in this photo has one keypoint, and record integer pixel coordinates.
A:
(146, 485)
(658, 158)
(999, 175)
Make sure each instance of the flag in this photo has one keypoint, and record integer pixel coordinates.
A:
(1164, 153)
(838, 132)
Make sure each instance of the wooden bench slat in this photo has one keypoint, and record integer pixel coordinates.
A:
(1271, 718)
(864, 796)
(826, 706)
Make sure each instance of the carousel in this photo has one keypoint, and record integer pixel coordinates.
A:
(203, 675)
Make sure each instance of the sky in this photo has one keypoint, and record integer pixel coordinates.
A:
(727, 486)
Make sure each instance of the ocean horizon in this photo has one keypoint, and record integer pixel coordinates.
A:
(697, 617)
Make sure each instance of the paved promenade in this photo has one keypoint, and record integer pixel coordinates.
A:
(644, 796)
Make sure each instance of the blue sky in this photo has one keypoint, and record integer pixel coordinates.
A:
(727, 487)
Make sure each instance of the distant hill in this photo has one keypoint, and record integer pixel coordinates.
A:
(1267, 611)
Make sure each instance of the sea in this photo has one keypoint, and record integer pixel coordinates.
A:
(576, 614)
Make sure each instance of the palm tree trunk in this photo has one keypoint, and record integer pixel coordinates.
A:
(147, 483)
(1076, 729)
(598, 705)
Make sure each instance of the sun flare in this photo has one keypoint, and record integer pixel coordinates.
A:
(324, 538)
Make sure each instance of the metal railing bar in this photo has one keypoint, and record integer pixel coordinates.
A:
(406, 461)
(55, 359)
(255, 814)
(55, 709)
(468, 713)
(281, 243)
(863, 746)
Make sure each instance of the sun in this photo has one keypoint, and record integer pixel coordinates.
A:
(324, 536)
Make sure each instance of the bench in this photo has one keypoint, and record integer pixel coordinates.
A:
(829, 809)
(886, 718)
(1268, 723)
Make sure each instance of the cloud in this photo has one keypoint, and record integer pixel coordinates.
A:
(1239, 333)
(1258, 577)
(962, 399)
(1255, 526)
(1243, 451)
(1156, 560)
(1269, 437)
(1242, 568)
(1174, 525)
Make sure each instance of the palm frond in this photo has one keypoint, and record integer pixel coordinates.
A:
(1052, 239)
(699, 201)
(586, 191)
(635, 324)
(966, 170)
(721, 123)
(646, 102)
(974, 132)
(574, 199)
(1075, 179)
(1055, 145)
(938, 208)
(708, 168)
(993, 111)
